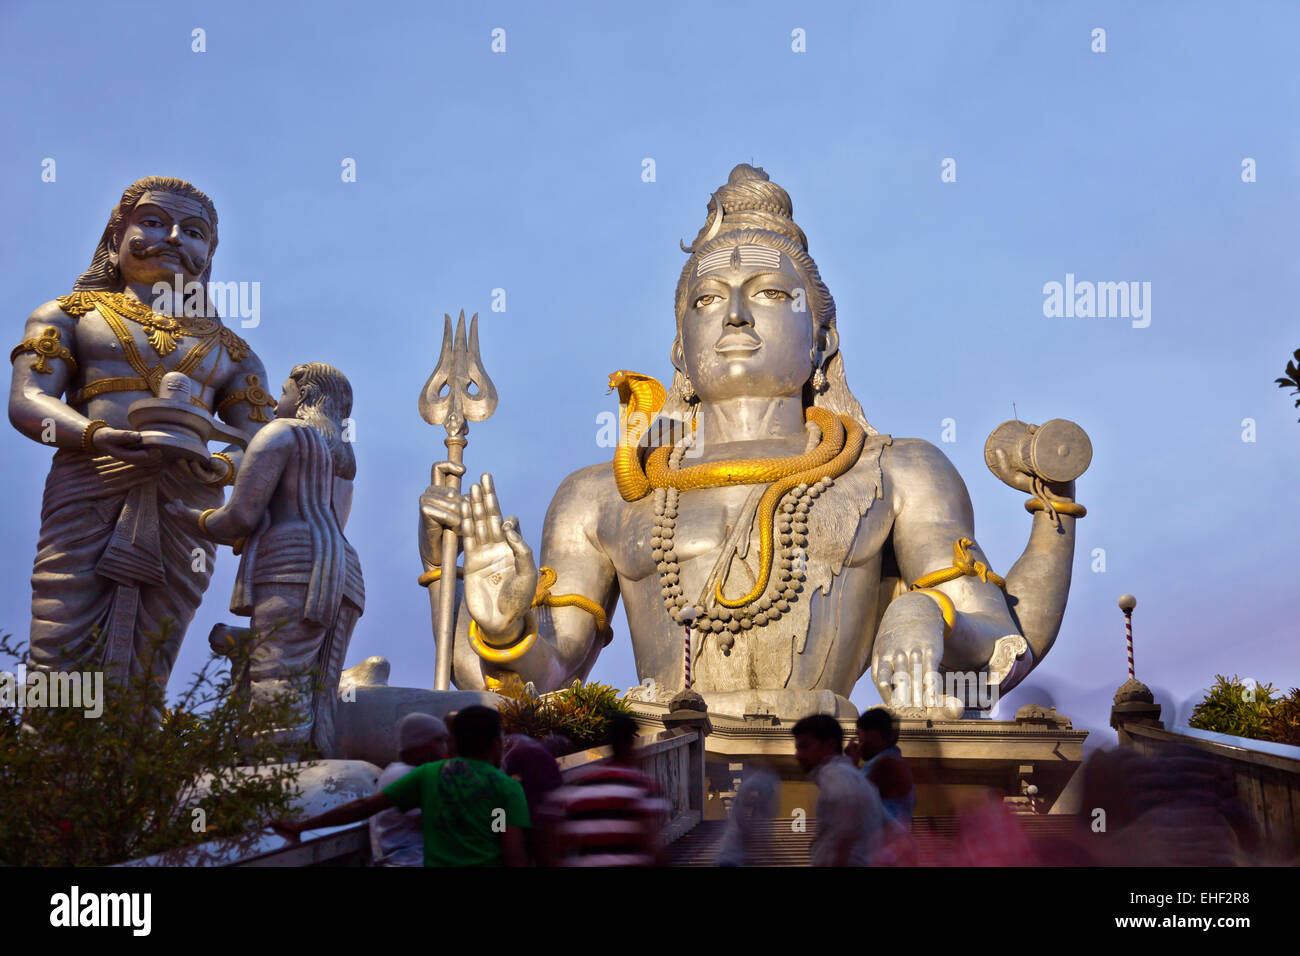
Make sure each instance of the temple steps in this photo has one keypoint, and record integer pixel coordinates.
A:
(783, 847)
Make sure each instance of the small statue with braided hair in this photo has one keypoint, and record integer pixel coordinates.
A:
(299, 578)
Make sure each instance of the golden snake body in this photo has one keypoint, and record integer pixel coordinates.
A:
(840, 446)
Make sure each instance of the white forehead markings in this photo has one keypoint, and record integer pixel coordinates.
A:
(739, 256)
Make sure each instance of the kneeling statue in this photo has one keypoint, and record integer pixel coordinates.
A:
(299, 579)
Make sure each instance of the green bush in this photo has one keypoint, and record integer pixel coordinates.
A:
(580, 712)
(78, 790)
(1235, 707)
(1283, 724)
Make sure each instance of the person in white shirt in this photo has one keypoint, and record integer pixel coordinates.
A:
(849, 813)
(397, 838)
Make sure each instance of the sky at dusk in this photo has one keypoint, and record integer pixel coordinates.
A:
(522, 170)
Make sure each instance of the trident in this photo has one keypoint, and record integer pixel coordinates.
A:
(447, 400)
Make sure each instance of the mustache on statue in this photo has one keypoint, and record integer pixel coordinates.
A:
(141, 251)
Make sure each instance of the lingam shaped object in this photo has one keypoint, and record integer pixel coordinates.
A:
(176, 424)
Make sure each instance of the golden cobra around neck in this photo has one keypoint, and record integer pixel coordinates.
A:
(644, 396)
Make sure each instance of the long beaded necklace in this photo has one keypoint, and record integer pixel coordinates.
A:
(783, 588)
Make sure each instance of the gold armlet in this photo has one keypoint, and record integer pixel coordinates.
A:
(503, 655)
(254, 396)
(946, 608)
(962, 565)
(46, 346)
(544, 598)
(229, 478)
(87, 436)
(203, 522)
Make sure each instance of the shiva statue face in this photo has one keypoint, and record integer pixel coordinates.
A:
(165, 234)
(747, 330)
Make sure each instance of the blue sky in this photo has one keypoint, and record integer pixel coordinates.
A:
(522, 170)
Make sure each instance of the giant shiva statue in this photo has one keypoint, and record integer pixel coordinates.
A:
(799, 544)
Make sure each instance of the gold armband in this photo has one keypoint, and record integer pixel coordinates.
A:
(962, 565)
(544, 598)
(229, 479)
(47, 345)
(255, 396)
(503, 655)
(203, 522)
(87, 436)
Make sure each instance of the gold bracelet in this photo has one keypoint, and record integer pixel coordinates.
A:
(229, 479)
(435, 574)
(946, 608)
(203, 522)
(503, 655)
(86, 436)
(1071, 508)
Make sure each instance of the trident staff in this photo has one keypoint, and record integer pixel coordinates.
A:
(459, 367)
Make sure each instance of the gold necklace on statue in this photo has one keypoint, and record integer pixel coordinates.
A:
(164, 332)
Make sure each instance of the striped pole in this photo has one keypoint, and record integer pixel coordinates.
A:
(1128, 636)
(1127, 603)
(687, 616)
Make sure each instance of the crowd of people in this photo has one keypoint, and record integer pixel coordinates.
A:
(463, 794)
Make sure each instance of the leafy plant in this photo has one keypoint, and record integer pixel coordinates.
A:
(141, 777)
(1292, 379)
(1283, 724)
(1236, 707)
(580, 712)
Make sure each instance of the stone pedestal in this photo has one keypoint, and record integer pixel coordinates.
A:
(369, 710)
(1134, 704)
(956, 763)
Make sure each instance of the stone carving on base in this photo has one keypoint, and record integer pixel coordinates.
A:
(299, 579)
(112, 567)
(753, 498)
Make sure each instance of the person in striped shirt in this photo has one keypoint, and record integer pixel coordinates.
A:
(609, 815)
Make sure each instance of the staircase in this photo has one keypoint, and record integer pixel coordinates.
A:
(779, 845)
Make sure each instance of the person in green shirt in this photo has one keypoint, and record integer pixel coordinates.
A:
(473, 814)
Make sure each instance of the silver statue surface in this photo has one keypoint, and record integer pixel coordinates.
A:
(299, 578)
(111, 566)
(800, 545)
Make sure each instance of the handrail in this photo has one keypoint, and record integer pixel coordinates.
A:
(1220, 748)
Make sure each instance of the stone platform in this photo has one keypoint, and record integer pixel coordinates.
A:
(956, 763)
